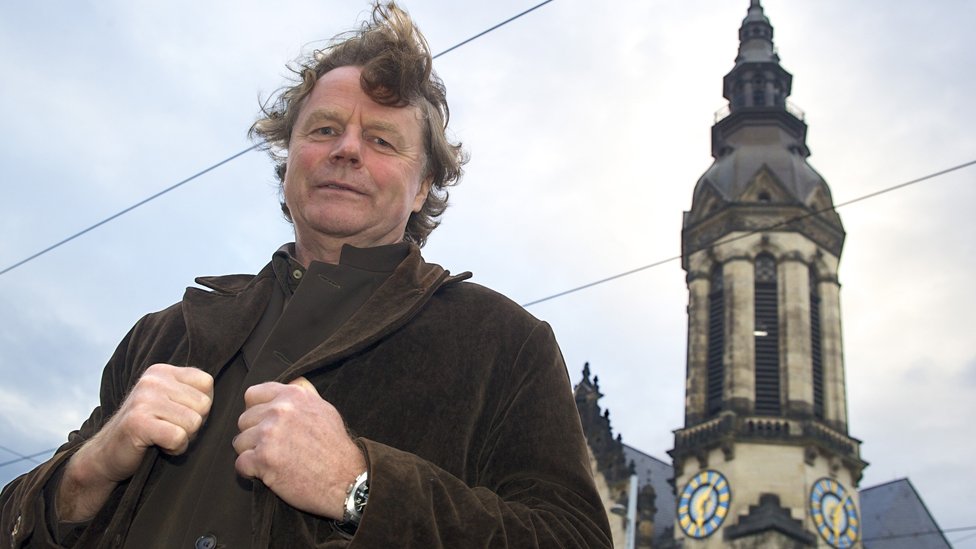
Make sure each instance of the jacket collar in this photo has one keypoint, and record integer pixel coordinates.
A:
(219, 321)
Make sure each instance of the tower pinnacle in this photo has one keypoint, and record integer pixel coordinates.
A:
(757, 80)
(760, 175)
(756, 37)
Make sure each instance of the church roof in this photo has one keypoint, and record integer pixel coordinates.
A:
(733, 173)
(658, 474)
(895, 517)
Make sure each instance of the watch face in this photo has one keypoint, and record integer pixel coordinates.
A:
(361, 497)
(834, 513)
(704, 503)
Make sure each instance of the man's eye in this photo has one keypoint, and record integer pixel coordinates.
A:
(328, 130)
(382, 142)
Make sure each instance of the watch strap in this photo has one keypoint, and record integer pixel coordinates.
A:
(352, 510)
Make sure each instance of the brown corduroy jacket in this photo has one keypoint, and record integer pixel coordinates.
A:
(460, 399)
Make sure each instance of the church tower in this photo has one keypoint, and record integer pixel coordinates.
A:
(764, 458)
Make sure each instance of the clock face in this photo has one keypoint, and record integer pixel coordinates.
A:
(834, 513)
(704, 503)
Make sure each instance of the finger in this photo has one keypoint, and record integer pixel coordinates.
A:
(245, 464)
(304, 383)
(245, 440)
(196, 378)
(250, 418)
(191, 399)
(261, 393)
(155, 398)
(188, 375)
(167, 382)
(172, 426)
(169, 437)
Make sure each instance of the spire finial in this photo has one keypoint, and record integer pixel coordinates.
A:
(756, 37)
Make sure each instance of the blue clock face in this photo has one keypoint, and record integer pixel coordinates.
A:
(704, 504)
(834, 513)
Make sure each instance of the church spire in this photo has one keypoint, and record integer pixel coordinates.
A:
(756, 37)
(757, 80)
(760, 150)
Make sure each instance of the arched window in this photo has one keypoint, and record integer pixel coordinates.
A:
(767, 337)
(816, 347)
(716, 344)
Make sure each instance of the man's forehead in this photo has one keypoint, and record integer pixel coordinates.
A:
(341, 88)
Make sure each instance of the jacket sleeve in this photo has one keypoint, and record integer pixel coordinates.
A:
(534, 486)
(23, 507)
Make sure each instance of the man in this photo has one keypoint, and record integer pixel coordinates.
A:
(350, 394)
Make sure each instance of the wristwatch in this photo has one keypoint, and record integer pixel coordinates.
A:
(356, 497)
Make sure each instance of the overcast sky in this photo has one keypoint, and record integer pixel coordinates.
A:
(588, 124)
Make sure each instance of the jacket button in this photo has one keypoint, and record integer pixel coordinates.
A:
(208, 541)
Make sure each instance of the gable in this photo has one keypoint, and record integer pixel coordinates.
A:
(765, 187)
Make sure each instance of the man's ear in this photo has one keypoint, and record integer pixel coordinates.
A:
(422, 193)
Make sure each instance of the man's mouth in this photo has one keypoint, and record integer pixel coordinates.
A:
(339, 187)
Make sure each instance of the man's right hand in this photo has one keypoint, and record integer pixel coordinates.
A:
(165, 408)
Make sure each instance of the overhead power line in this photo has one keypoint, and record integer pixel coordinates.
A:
(29, 457)
(486, 31)
(16, 453)
(129, 209)
(232, 157)
(941, 532)
(755, 231)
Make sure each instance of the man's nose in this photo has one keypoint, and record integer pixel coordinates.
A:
(348, 148)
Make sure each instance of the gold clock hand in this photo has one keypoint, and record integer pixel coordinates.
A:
(835, 515)
(700, 505)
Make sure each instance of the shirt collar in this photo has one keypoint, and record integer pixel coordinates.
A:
(379, 259)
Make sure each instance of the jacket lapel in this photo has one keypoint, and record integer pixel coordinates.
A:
(396, 301)
(218, 322)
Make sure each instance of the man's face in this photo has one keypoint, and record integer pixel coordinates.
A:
(355, 168)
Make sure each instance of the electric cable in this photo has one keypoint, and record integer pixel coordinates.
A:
(129, 209)
(232, 157)
(484, 32)
(941, 531)
(755, 231)
(14, 452)
(29, 457)
(964, 538)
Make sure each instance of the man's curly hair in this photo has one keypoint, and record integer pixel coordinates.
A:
(397, 70)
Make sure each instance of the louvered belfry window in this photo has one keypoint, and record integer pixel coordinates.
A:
(767, 337)
(816, 348)
(716, 344)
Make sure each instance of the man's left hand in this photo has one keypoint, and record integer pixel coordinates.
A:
(297, 445)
